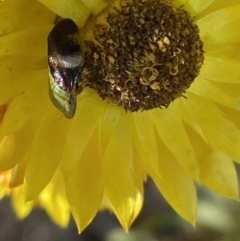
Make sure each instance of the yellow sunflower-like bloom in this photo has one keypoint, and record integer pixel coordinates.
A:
(103, 155)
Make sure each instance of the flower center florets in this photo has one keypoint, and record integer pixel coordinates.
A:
(148, 53)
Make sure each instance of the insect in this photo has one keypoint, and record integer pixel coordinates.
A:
(65, 62)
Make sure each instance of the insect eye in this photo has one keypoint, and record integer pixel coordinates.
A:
(65, 60)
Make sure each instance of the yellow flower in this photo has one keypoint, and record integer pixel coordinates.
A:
(103, 155)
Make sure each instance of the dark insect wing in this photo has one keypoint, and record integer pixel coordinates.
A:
(65, 60)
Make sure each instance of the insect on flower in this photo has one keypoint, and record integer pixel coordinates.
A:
(65, 62)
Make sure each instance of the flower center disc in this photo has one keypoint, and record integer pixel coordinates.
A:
(148, 53)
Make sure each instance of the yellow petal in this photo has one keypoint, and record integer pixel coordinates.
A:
(13, 149)
(45, 155)
(220, 69)
(210, 91)
(95, 6)
(107, 125)
(175, 185)
(217, 171)
(73, 9)
(211, 24)
(140, 176)
(16, 75)
(21, 207)
(56, 207)
(18, 173)
(207, 120)
(233, 114)
(32, 103)
(82, 128)
(198, 5)
(224, 51)
(7, 146)
(170, 129)
(25, 41)
(232, 90)
(13, 15)
(118, 172)
(179, 3)
(228, 33)
(88, 179)
(217, 5)
(53, 199)
(145, 133)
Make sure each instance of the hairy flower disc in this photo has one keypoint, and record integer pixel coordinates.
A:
(147, 54)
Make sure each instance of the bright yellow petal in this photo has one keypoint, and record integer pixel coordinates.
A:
(95, 6)
(198, 5)
(170, 129)
(80, 133)
(210, 91)
(18, 173)
(208, 121)
(175, 185)
(54, 201)
(89, 181)
(13, 15)
(107, 125)
(217, 170)
(24, 41)
(139, 177)
(117, 162)
(220, 69)
(19, 148)
(27, 106)
(4, 182)
(44, 151)
(212, 25)
(232, 90)
(7, 147)
(21, 207)
(146, 135)
(73, 9)
(16, 75)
